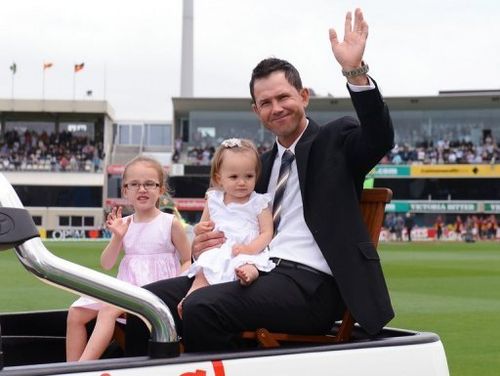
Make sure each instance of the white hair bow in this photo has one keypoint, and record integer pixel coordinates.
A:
(231, 143)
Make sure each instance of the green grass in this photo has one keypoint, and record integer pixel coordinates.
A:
(452, 289)
(22, 291)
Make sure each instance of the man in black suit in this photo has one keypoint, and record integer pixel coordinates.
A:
(325, 259)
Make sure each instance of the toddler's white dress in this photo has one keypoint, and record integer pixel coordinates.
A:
(240, 225)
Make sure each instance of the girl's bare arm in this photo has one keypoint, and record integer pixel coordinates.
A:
(181, 244)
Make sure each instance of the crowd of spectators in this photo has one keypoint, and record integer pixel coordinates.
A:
(445, 152)
(439, 152)
(63, 151)
(474, 227)
(200, 153)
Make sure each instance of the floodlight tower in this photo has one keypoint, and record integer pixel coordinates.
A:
(187, 49)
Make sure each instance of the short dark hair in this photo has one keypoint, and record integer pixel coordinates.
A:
(271, 65)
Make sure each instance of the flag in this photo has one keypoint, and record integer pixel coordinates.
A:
(79, 67)
(47, 65)
(13, 68)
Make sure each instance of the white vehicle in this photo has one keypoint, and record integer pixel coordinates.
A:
(33, 343)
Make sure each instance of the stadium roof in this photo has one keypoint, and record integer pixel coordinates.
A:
(57, 106)
(328, 103)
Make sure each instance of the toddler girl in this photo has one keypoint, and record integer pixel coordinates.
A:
(242, 214)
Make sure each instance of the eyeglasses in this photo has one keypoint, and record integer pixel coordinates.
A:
(148, 186)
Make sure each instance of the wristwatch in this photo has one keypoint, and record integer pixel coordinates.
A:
(363, 69)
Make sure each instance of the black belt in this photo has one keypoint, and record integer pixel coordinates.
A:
(295, 265)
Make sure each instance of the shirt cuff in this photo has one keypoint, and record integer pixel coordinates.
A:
(360, 88)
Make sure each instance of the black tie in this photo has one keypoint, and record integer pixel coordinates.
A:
(285, 168)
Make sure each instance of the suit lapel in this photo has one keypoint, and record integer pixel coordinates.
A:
(302, 153)
(267, 166)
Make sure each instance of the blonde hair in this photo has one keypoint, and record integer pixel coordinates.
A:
(238, 145)
(162, 176)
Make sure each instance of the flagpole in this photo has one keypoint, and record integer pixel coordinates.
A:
(104, 83)
(74, 83)
(12, 87)
(13, 69)
(76, 68)
(43, 84)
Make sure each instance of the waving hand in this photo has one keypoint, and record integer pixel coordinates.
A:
(349, 52)
(115, 223)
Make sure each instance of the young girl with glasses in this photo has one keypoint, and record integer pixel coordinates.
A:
(155, 245)
(242, 214)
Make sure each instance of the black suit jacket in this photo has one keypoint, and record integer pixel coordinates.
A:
(332, 162)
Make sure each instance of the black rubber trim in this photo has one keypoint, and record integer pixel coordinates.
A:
(16, 226)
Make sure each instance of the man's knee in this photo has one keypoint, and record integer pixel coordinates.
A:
(170, 286)
(198, 305)
(193, 302)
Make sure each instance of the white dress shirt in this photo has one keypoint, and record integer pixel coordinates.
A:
(293, 240)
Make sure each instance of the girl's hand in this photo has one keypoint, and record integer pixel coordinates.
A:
(115, 224)
(239, 248)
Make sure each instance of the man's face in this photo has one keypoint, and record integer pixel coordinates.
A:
(280, 107)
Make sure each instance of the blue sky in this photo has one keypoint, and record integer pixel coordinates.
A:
(132, 49)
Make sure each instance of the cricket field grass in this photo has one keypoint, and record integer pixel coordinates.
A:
(450, 288)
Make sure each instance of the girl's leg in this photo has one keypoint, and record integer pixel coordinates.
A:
(198, 282)
(102, 334)
(247, 273)
(76, 331)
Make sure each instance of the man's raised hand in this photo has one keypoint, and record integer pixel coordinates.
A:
(349, 52)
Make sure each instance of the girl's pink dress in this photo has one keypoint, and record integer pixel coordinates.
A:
(149, 255)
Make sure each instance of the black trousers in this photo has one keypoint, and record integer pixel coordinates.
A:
(283, 300)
